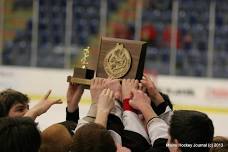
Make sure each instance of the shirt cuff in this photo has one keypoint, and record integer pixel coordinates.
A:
(72, 116)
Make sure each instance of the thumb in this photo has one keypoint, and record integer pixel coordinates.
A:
(58, 101)
(47, 95)
(131, 102)
(117, 95)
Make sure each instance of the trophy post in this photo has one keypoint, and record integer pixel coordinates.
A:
(82, 75)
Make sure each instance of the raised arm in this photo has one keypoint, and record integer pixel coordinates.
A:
(104, 106)
(74, 94)
(96, 87)
(159, 101)
(42, 106)
(152, 91)
(156, 127)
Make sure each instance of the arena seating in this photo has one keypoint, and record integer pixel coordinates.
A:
(51, 32)
(192, 42)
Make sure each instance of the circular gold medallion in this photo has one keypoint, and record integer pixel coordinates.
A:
(117, 62)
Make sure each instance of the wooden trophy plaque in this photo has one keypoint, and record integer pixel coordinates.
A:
(116, 58)
(120, 58)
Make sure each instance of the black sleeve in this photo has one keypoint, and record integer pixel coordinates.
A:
(130, 139)
(159, 146)
(134, 141)
(114, 123)
(72, 116)
(162, 107)
(167, 100)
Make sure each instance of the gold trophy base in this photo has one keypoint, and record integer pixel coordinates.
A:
(82, 77)
(81, 81)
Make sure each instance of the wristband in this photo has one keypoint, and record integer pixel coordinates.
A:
(151, 119)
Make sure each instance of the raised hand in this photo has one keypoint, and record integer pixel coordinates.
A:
(74, 94)
(96, 87)
(104, 106)
(127, 86)
(115, 86)
(152, 91)
(105, 101)
(139, 100)
(42, 106)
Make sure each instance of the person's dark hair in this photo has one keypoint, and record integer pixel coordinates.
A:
(93, 137)
(191, 127)
(19, 134)
(10, 97)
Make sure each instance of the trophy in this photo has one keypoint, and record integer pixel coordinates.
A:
(121, 58)
(82, 74)
(116, 58)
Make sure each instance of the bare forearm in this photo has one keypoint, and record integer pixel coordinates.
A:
(102, 118)
(157, 99)
(147, 112)
(72, 108)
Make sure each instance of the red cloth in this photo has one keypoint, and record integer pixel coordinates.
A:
(127, 106)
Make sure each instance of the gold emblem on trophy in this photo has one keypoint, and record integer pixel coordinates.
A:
(117, 62)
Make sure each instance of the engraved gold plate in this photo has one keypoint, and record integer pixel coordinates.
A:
(117, 62)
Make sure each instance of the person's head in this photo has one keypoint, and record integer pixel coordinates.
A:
(220, 144)
(56, 138)
(190, 128)
(13, 103)
(93, 137)
(69, 125)
(19, 134)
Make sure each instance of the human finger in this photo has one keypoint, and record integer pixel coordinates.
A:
(47, 94)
